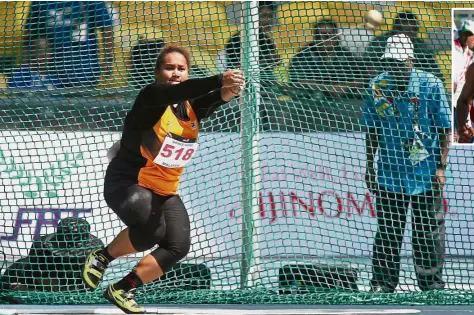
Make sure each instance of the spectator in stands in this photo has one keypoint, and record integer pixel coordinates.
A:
(324, 66)
(144, 55)
(407, 116)
(408, 24)
(71, 27)
(269, 57)
(35, 73)
(462, 57)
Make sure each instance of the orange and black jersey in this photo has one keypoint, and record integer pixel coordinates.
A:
(160, 134)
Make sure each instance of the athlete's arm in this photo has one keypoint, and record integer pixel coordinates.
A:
(205, 105)
(467, 94)
(160, 94)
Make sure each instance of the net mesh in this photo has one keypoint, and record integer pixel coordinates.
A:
(70, 73)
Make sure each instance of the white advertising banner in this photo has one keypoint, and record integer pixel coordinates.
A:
(313, 200)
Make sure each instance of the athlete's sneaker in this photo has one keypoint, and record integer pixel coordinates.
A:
(123, 300)
(94, 269)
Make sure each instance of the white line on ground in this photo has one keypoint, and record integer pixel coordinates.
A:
(202, 311)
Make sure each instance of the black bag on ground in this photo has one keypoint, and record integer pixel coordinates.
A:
(17, 274)
(308, 278)
(54, 262)
(185, 277)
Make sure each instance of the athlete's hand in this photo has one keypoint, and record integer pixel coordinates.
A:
(236, 91)
(233, 79)
(465, 135)
(227, 94)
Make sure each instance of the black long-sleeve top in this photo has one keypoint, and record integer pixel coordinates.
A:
(204, 96)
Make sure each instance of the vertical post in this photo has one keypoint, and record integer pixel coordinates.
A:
(250, 119)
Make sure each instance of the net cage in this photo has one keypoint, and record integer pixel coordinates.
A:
(278, 180)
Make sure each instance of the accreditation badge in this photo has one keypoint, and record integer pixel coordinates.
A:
(416, 150)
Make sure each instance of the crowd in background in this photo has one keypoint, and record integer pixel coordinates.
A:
(61, 49)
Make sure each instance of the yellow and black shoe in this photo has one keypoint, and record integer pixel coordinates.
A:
(94, 269)
(123, 300)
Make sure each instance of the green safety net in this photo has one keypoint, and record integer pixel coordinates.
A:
(279, 176)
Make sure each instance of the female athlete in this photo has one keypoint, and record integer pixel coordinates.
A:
(160, 136)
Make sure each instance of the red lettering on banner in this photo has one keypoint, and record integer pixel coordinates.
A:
(351, 202)
(272, 207)
(233, 210)
(330, 204)
(342, 175)
(283, 204)
(297, 200)
(446, 207)
(340, 206)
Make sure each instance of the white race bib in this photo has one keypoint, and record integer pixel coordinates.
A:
(176, 151)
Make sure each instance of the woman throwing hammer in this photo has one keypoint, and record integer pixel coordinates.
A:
(159, 138)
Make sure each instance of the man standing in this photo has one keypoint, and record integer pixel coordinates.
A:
(462, 58)
(407, 119)
(71, 28)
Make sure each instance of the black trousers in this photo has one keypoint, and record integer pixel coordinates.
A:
(428, 239)
(153, 220)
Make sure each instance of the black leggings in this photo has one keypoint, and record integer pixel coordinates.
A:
(153, 219)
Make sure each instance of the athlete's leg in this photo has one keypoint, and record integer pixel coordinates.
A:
(139, 209)
(120, 245)
(173, 247)
(174, 225)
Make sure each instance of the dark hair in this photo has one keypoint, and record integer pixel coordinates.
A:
(325, 21)
(171, 49)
